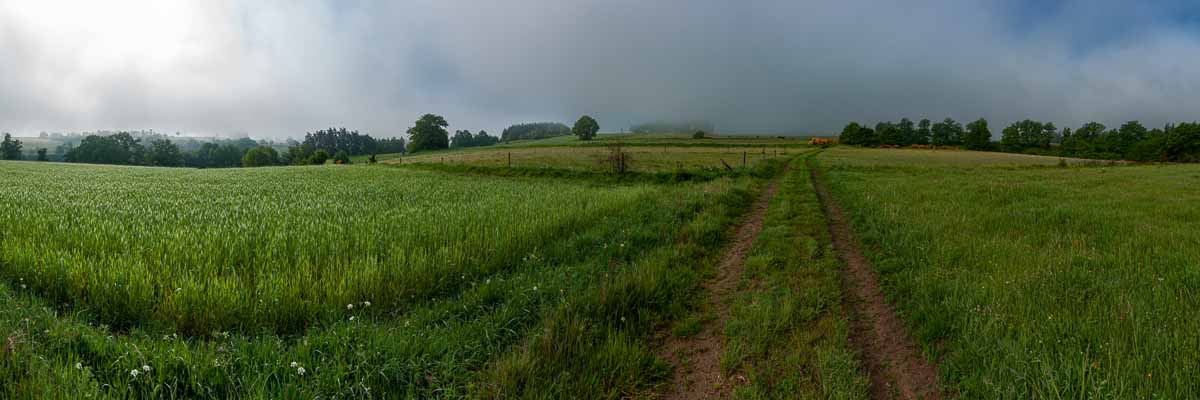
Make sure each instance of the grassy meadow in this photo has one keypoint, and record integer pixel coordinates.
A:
(668, 139)
(1021, 276)
(1035, 282)
(592, 158)
(345, 281)
(889, 158)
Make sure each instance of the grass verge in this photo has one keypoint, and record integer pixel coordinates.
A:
(1039, 282)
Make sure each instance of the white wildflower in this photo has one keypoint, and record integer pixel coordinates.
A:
(78, 365)
(350, 306)
(134, 372)
(146, 368)
(294, 364)
(367, 303)
(300, 371)
(351, 317)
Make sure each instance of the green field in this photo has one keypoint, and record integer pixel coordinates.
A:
(1019, 276)
(377, 281)
(668, 139)
(1047, 282)
(266, 248)
(592, 158)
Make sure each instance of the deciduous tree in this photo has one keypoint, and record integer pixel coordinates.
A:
(429, 133)
(585, 128)
(978, 136)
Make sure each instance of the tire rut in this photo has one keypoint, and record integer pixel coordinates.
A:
(895, 366)
(701, 377)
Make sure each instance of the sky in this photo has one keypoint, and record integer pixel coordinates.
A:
(276, 68)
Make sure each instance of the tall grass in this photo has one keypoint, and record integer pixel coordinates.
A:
(1040, 283)
(605, 264)
(278, 249)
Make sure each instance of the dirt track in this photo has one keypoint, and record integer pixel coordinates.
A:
(895, 366)
(697, 358)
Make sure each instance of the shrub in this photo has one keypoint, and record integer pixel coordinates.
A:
(319, 157)
(260, 156)
(341, 157)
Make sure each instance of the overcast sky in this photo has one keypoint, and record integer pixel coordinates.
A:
(281, 68)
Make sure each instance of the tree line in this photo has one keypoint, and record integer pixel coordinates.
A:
(1131, 141)
(429, 133)
(464, 138)
(10, 149)
(534, 130)
(337, 144)
(673, 127)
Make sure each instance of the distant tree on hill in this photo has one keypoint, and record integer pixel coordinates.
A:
(260, 156)
(1183, 143)
(484, 139)
(341, 157)
(1149, 149)
(318, 157)
(585, 128)
(534, 130)
(978, 136)
(1129, 135)
(390, 145)
(889, 134)
(907, 131)
(923, 132)
(946, 133)
(163, 153)
(464, 138)
(120, 149)
(10, 149)
(298, 155)
(429, 133)
(333, 140)
(41, 154)
(698, 135)
(1028, 134)
(673, 127)
(855, 134)
(213, 155)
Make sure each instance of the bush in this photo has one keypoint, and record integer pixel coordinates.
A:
(341, 157)
(319, 157)
(698, 135)
(618, 159)
(260, 156)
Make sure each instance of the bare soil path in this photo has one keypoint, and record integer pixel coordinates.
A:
(895, 366)
(697, 358)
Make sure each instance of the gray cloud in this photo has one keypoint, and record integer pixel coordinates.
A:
(278, 68)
